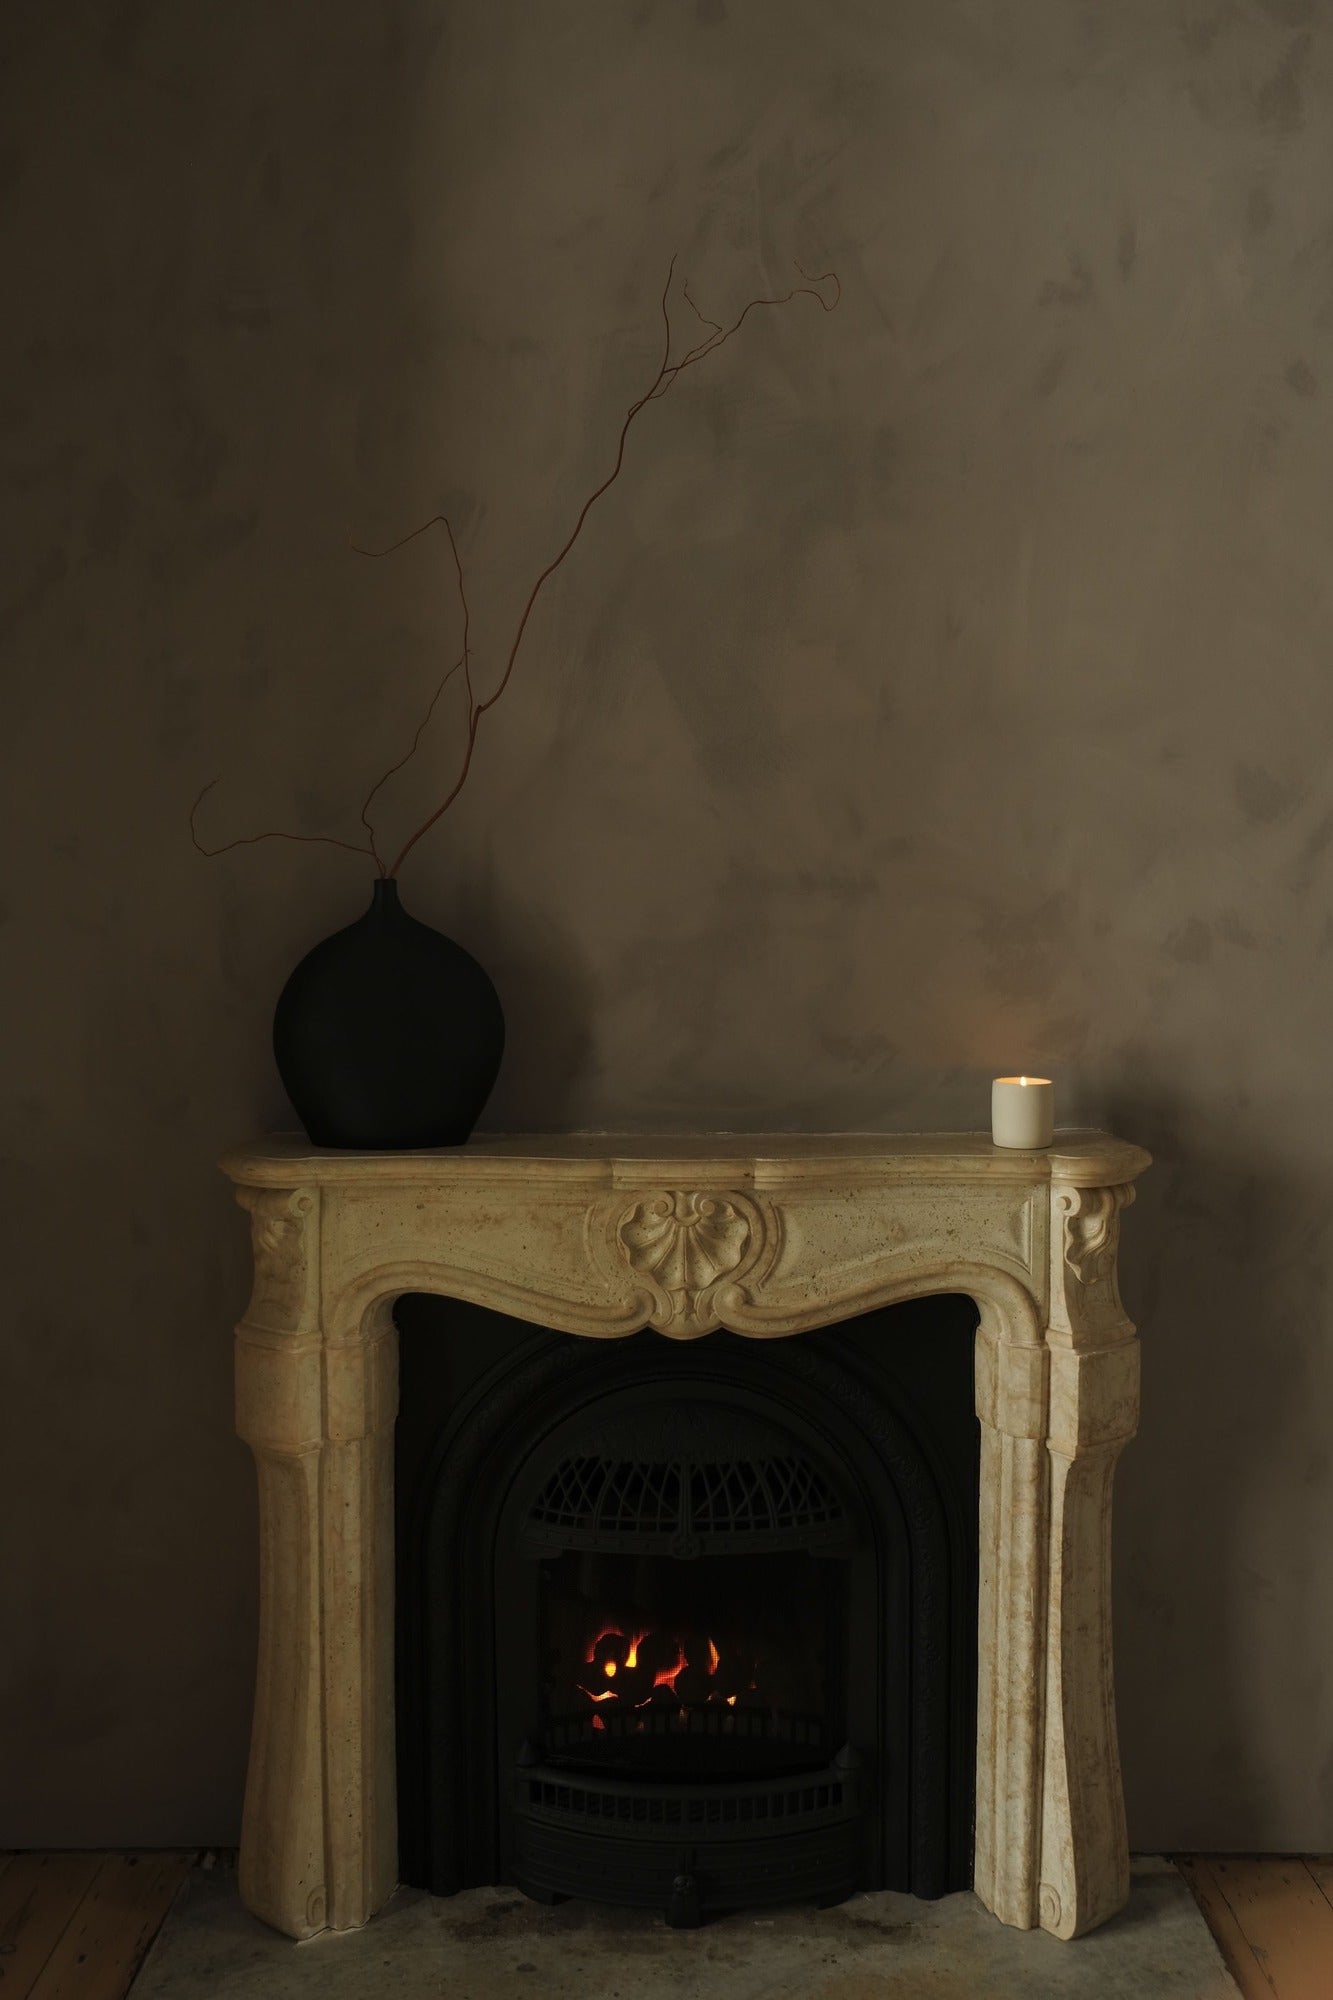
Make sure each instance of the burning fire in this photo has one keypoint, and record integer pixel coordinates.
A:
(670, 1675)
(692, 1670)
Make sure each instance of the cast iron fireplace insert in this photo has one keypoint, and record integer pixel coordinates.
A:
(690, 1626)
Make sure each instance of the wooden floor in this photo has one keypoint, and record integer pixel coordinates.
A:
(77, 1926)
(1273, 1919)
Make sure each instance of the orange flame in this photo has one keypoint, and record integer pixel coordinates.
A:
(667, 1677)
(629, 1660)
(607, 1632)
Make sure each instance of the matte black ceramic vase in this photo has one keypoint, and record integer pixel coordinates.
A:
(388, 1035)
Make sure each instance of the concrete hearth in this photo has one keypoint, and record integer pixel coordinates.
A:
(768, 1236)
(492, 1944)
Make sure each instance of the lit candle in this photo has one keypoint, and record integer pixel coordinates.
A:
(1022, 1111)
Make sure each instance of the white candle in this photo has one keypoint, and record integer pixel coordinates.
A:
(1022, 1111)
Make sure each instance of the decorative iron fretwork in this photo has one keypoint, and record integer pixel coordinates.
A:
(572, 1732)
(831, 1794)
(592, 1496)
(780, 1496)
(686, 1504)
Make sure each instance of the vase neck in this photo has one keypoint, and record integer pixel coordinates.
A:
(384, 898)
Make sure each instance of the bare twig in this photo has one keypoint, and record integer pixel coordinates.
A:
(249, 839)
(667, 374)
(436, 520)
(394, 768)
(701, 317)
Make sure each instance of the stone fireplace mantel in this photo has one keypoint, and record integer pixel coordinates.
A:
(769, 1236)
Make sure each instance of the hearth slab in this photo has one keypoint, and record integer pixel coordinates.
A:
(492, 1944)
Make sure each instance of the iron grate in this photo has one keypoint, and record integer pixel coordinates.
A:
(779, 1497)
(701, 1809)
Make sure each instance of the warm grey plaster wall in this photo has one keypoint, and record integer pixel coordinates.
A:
(945, 686)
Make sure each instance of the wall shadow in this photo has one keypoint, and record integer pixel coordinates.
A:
(1217, 1532)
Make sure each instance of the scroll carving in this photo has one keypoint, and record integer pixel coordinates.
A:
(687, 1247)
(284, 1232)
(1092, 1229)
(1085, 1297)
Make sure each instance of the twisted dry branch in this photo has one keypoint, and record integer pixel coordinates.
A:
(668, 373)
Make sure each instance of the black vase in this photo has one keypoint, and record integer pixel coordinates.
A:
(388, 1035)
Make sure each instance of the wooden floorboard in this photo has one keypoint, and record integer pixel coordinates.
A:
(121, 1913)
(1273, 1920)
(1321, 1867)
(39, 1894)
(1231, 1940)
(77, 1926)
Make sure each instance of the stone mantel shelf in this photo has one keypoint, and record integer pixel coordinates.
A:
(770, 1235)
(1080, 1158)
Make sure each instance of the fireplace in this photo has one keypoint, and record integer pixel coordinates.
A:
(687, 1628)
(706, 1254)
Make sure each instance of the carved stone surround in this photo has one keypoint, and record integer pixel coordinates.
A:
(768, 1236)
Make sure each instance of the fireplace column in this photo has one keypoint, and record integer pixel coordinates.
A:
(1094, 1412)
(316, 1404)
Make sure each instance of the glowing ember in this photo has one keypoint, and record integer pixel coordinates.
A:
(614, 1653)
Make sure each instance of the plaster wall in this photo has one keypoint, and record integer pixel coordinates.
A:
(942, 688)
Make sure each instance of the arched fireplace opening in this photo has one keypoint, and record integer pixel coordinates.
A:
(687, 1625)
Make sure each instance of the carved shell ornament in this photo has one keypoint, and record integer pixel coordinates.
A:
(686, 1244)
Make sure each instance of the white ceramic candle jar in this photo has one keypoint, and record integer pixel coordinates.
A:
(1022, 1111)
